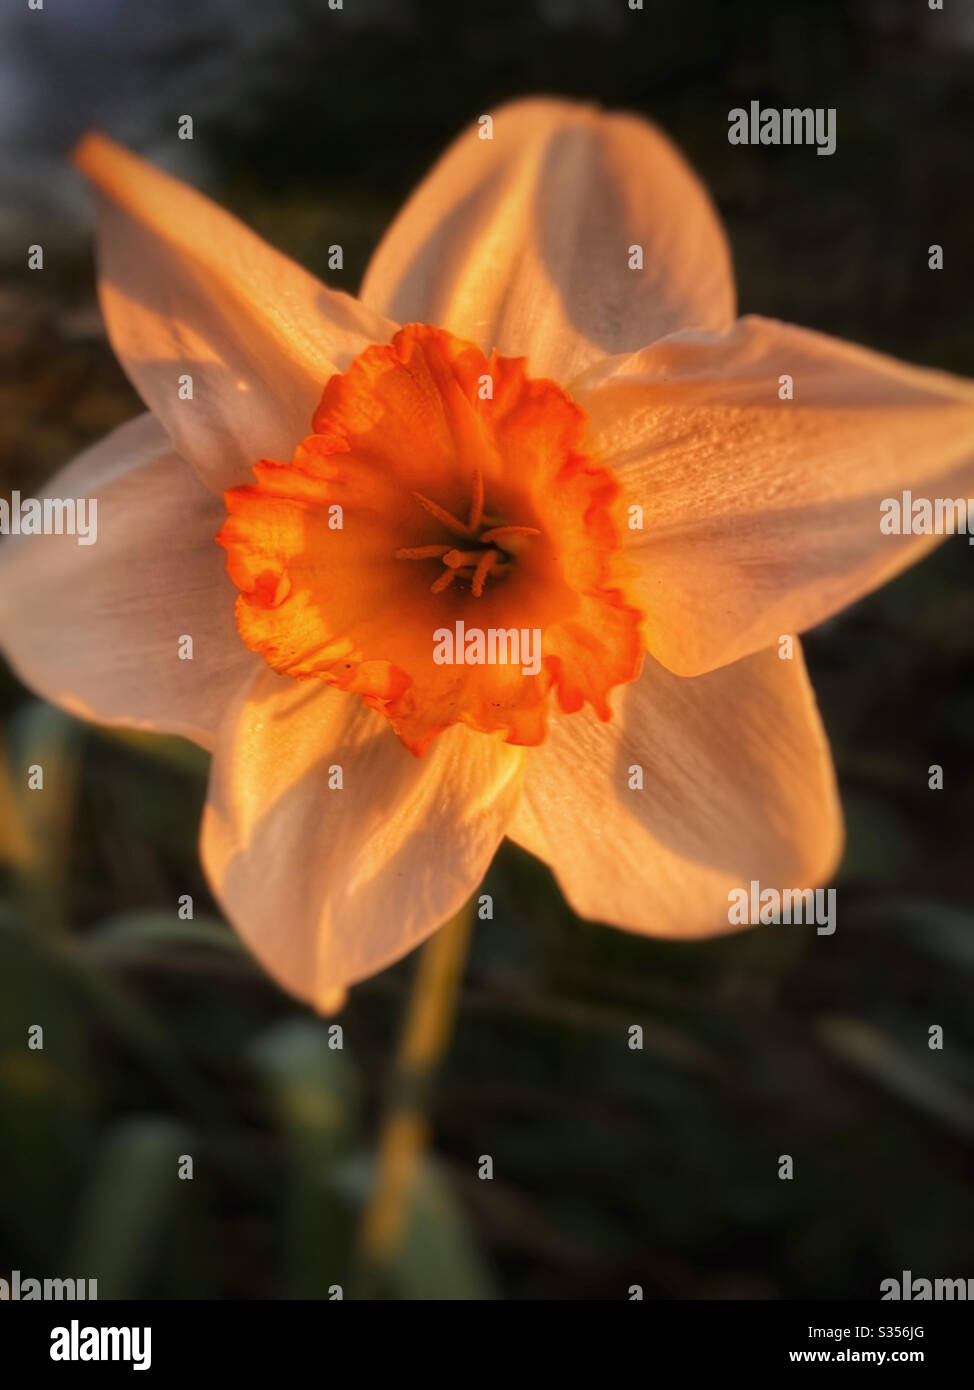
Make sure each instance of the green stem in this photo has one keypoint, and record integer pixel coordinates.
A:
(405, 1129)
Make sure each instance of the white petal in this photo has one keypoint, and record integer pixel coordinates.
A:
(328, 885)
(522, 242)
(187, 290)
(737, 785)
(761, 515)
(96, 628)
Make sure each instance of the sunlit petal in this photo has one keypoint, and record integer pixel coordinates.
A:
(328, 883)
(188, 291)
(761, 514)
(523, 241)
(737, 785)
(99, 629)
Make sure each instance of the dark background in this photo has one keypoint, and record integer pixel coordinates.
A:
(612, 1167)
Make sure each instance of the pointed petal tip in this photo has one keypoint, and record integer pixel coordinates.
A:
(109, 166)
(486, 246)
(181, 281)
(91, 152)
(329, 1002)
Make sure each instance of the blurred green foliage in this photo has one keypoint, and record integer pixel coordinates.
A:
(612, 1166)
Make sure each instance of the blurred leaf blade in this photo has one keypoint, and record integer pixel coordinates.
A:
(129, 932)
(881, 1060)
(313, 1091)
(132, 1192)
(44, 762)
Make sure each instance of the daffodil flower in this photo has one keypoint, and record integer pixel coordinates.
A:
(514, 427)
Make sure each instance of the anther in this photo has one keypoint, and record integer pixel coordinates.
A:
(474, 567)
(502, 532)
(441, 514)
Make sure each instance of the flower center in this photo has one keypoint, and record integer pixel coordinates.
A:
(439, 482)
(488, 546)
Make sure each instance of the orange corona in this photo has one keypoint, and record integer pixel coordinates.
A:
(438, 485)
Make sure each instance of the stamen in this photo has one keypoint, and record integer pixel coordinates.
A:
(473, 567)
(421, 552)
(485, 564)
(444, 581)
(501, 532)
(441, 514)
(456, 558)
